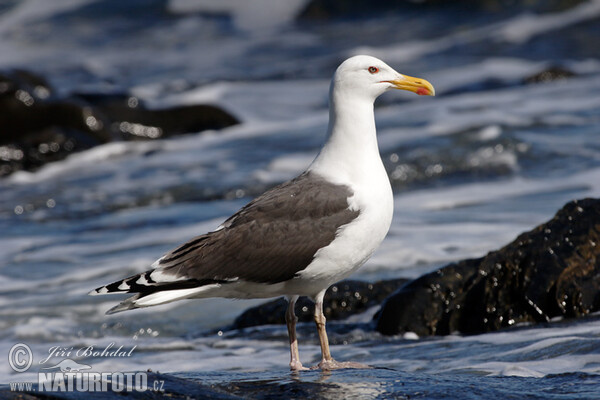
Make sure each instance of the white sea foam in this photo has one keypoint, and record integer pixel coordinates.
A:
(278, 100)
(524, 27)
(285, 168)
(31, 11)
(25, 14)
(499, 69)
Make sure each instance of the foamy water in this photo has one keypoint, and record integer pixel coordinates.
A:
(471, 169)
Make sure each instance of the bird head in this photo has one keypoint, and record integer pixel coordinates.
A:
(372, 77)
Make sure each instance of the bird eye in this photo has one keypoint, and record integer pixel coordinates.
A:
(373, 70)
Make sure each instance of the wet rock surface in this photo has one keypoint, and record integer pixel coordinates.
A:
(320, 9)
(550, 74)
(341, 300)
(38, 126)
(551, 271)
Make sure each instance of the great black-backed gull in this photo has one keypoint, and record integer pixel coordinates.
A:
(302, 236)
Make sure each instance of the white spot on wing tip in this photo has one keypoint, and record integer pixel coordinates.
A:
(96, 292)
(142, 281)
(123, 286)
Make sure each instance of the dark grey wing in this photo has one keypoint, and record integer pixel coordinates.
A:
(269, 240)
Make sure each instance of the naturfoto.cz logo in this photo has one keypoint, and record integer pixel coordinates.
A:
(70, 375)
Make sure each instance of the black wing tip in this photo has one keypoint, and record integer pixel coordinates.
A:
(108, 289)
(127, 285)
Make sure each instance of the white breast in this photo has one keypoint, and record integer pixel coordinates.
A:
(356, 241)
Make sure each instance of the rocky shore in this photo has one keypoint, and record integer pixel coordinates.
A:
(551, 271)
(38, 125)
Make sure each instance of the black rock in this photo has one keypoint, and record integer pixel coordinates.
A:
(341, 300)
(322, 9)
(549, 75)
(553, 270)
(37, 126)
(132, 120)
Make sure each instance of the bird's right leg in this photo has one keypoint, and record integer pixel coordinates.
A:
(291, 319)
(327, 362)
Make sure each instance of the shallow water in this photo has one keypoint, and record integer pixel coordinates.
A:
(486, 159)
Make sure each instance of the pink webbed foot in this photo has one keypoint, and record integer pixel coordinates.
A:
(328, 365)
(297, 366)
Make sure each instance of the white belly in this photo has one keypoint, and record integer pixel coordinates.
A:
(354, 243)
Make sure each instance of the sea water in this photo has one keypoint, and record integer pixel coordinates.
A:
(486, 159)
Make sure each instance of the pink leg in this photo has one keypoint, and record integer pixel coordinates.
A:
(327, 362)
(291, 319)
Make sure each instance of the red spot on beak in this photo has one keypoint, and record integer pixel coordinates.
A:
(422, 92)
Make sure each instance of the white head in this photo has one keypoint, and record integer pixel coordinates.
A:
(369, 76)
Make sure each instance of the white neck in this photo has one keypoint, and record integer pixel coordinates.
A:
(351, 153)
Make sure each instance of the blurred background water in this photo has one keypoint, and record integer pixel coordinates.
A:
(498, 151)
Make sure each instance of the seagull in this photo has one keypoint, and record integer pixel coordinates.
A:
(302, 236)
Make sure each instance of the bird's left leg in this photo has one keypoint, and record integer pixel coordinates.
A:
(327, 362)
(291, 319)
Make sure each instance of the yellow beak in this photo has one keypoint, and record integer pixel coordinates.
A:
(415, 85)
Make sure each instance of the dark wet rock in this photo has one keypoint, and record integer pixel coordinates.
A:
(28, 106)
(342, 300)
(321, 9)
(549, 75)
(133, 120)
(551, 271)
(37, 126)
